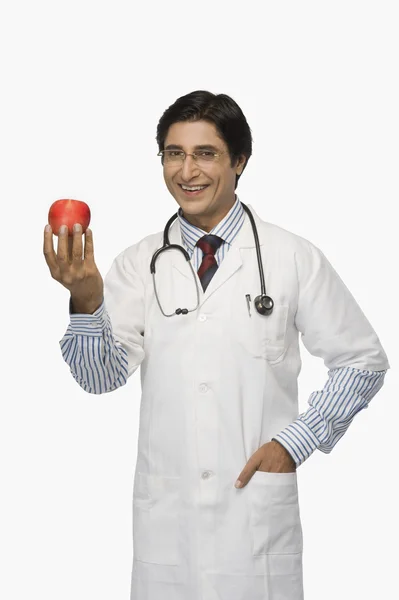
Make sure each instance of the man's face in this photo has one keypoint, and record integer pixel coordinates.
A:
(208, 207)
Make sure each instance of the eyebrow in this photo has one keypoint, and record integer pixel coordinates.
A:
(199, 147)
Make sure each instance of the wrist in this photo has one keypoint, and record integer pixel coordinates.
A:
(89, 308)
(285, 451)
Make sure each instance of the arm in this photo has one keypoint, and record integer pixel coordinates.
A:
(104, 348)
(334, 328)
(331, 411)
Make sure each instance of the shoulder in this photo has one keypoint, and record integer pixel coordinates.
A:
(283, 240)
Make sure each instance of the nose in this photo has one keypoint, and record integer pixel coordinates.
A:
(189, 168)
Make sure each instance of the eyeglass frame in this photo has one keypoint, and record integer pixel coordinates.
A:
(193, 154)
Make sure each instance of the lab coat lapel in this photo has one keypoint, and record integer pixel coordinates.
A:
(231, 263)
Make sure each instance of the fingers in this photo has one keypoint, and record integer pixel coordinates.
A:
(70, 248)
(89, 249)
(246, 474)
(48, 251)
(62, 248)
(66, 266)
(76, 246)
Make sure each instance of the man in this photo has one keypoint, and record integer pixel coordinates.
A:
(219, 377)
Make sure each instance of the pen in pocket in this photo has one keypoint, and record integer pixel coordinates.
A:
(248, 297)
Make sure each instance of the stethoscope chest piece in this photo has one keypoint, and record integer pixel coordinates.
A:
(264, 304)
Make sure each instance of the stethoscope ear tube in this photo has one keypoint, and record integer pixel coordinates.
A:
(167, 247)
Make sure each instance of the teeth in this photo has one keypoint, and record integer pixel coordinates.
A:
(191, 189)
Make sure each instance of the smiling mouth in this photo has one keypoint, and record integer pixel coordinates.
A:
(193, 193)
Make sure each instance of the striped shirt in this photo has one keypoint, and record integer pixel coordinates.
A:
(227, 229)
(99, 363)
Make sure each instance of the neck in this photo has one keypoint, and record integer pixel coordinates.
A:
(207, 222)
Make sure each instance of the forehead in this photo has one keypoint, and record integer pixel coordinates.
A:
(189, 135)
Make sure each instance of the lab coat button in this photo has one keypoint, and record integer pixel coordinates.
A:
(203, 388)
(206, 474)
(202, 318)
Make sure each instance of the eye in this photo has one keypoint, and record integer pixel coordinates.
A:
(206, 153)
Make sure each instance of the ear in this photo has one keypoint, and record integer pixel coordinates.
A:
(242, 159)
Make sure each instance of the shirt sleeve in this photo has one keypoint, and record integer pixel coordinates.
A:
(331, 411)
(334, 328)
(105, 348)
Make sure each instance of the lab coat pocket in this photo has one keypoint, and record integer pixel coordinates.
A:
(156, 506)
(275, 519)
(274, 333)
(268, 333)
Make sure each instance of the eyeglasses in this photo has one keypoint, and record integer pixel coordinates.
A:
(176, 157)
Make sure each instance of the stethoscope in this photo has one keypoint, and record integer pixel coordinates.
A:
(263, 303)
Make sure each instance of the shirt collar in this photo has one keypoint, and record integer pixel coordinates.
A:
(227, 228)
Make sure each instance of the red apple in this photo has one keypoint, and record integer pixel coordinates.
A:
(68, 212)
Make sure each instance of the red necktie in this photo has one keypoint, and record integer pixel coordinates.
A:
(209, 244)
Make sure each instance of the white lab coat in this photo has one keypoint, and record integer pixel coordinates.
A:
(216, 385)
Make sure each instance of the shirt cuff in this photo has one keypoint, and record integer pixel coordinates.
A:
(299, 440)
(92, 325)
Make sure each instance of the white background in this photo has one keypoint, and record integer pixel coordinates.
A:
(83, 87)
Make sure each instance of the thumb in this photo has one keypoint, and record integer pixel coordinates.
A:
(246, 473)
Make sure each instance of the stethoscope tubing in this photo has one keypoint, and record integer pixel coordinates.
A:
(261, 308)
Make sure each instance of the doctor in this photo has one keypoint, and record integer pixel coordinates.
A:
(220, 358)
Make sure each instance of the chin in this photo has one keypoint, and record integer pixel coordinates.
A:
(193, 207)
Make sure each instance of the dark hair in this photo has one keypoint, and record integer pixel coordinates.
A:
(219, 109)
